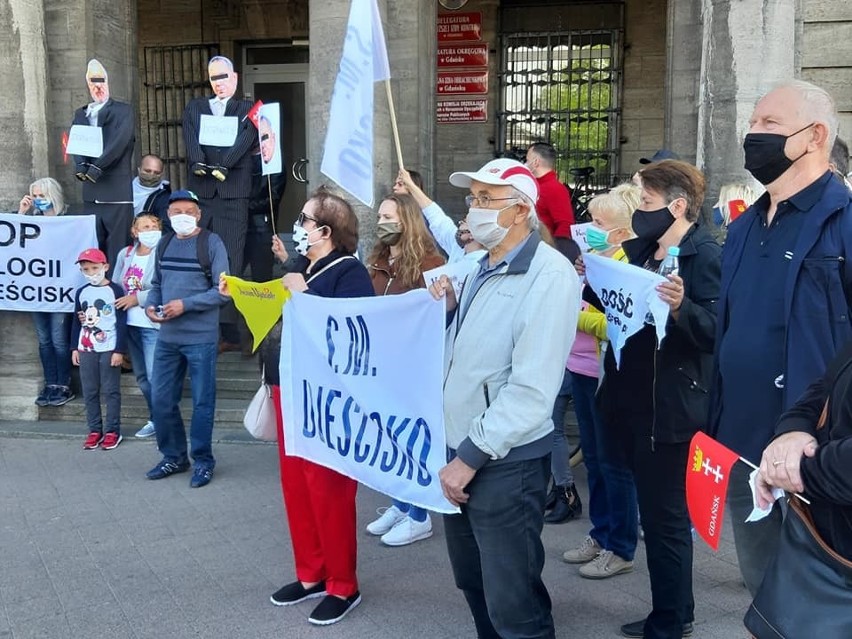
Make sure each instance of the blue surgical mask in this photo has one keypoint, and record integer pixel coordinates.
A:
(42, 204)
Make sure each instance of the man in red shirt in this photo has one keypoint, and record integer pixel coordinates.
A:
(554, 200)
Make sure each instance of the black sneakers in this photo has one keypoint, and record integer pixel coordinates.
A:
(166, 468)
(296, 593)
(332, 609)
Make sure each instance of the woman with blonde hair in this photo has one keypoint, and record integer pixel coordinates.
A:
(53, 330)
(403, 251)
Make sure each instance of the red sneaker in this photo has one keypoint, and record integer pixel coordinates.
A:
(111, 440)
(92, 441)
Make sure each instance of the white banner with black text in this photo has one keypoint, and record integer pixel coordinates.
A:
(361, 391)
(38, 254)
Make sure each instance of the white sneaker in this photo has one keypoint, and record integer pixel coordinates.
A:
(606, 564)
(390, 517)
(407, 531)
(146, 431)
(584, 553)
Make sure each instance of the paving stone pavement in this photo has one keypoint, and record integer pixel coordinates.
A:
(91, 549)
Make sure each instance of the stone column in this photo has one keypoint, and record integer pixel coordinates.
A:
(24, 149)
(409, 28)
(747, 48)
(683, 72)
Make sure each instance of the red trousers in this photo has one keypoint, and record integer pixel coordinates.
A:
(320, 505)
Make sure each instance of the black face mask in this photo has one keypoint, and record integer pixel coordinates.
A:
(650, 225)
(764, 155)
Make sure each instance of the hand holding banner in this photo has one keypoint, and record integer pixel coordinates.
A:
(352, 403)
(708, 471)
(628, 294)
(455, 272)
(259, 303)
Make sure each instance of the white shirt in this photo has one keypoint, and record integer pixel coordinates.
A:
(217, 106)
(92, 112)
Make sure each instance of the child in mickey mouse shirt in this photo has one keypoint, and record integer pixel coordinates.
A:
(99, 339)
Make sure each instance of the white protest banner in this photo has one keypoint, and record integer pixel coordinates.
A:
(218, 130)
(456, 272)
(348, 153)
(85, 140)
(362, 390)
(578, 234)
(628, 294)
(269, 138)
(37, 260)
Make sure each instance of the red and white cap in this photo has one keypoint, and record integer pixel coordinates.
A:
(500, 172)
(93, 255)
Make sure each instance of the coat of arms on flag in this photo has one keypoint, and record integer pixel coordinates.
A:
(707, 475)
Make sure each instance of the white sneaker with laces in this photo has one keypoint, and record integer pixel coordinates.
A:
(146, 431)
(389, 518)
(407, 531)
(584, 553)
(606, 564)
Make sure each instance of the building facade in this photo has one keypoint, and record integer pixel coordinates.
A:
(606, 81)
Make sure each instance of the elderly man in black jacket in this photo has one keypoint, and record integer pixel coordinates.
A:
(221, 175)
(106, 179)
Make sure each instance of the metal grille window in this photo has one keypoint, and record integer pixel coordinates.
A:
(563, 88)
(172, 76)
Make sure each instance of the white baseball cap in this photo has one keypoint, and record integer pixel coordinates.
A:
(500, 172)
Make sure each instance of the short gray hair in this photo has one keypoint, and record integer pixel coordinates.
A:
(220, 58)
(532, 218)
(817, 105)
(52, 191)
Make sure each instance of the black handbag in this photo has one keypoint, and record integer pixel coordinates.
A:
(807, 590)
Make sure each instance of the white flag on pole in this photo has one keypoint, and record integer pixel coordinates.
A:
(348, 155)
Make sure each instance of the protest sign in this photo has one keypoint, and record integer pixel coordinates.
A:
(269, 138)
(361, 390)
(259, 303)
(37, 260)
(456, 272)
(218, 130)
(628, 294)
(578, 234)
(84, 140)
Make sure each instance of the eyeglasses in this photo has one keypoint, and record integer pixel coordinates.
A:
(304, 216)
(484, 201)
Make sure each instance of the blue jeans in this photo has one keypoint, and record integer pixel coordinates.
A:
(612, 494)
(560, 466)
(54, 334)
(496, 551)
(142, 342)
(417, 514)
(171, 362)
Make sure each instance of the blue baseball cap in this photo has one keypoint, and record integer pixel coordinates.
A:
(183, 195)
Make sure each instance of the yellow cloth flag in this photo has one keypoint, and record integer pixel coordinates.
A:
(259, 302)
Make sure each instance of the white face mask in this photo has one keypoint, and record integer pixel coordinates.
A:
(95, 279)
(301, 238)
(484, 227)
(149, 239)
(183, 223)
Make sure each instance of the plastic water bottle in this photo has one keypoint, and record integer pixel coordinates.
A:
(669, 266)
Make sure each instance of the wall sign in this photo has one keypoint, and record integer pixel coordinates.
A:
(458, 111)
(463, 55)
(459, 27)
(462, 82)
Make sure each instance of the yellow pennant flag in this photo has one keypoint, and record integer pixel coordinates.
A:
(259, 302)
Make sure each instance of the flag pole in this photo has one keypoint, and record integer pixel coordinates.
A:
(393, 124)
(271, 209)
(801, 498)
